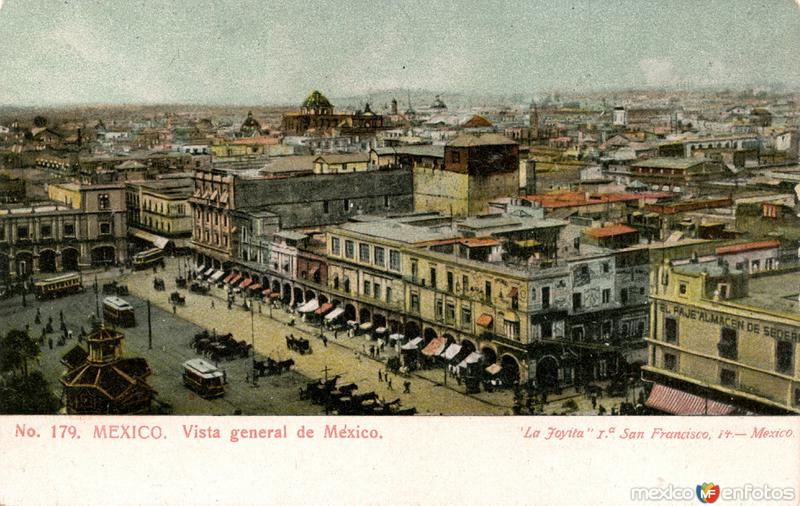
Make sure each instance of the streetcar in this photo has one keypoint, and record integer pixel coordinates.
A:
(203, 378)
(118, 312)
(148, 258)
(58, 286)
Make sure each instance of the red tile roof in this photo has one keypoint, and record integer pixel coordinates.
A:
(572, 199)
(610, 231)
(748, 246)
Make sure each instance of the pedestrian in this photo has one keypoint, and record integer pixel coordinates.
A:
(50, 342)
(212, 303)
(594, 400)
(325, 341)
(380, 376)
(69, 334)
(334, 333)
(229, 304)
(224, 377)
(389, 383)
(174, 309)
(61, 315)
(601, 410)
(406, 387)
(247, 377)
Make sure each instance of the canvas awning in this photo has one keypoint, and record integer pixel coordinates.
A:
(510, 316)
(365, 326)
(324, 308)
(229, 277)
(309, 306)
(413, 344)
(266, 292)
(274, 295)
(217, 275)
(245, 283)
(678, 402)
(199, 268)
(380, 330)
(451, 351)
(435, 347)
(396, 337)
(209, 272)
(472, 358)
(235, 279)
(485, 320)
(254, 286)
(494, 369)
(334, 314)
(155, 240)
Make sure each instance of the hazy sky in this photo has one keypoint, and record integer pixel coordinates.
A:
(264, 51)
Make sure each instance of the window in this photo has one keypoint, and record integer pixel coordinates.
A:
(755, 266)
(103, 201)
(455, 157)
(465, 283)
(388, 294)
(336, 282)
(105, 228)
(577, 300)
(346, 204)
(46, 230)
(349, 249)
(347, 285)
(606, 296)
(415, 302)
(606, 267)
(466, 317)
(623, 296)
(335, 246)
(547, 330)
(386, 201)
(450, 313)
(433, 277)
(671, 330)
(512, 329)
(783, 356)
(727, 377)
(450, 281)
(2, 232)
(363, 252)
(394, 260)
(682, 288)
(22, 231)
(545, 297)
(414, 269)
(439, 309)
(326, 207)
(487, 290)
(727, 346)
(376, 290)
(797, 396)
(670, 362)
(366, 287)
(380, 256)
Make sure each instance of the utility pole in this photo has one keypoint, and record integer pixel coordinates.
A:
(96, 297)
(149, 328)
(253, 343)
(326, 372)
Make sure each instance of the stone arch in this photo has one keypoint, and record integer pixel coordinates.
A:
(350, 312)
(298, 295)
(489, 355)
(379, 320)
(547, 372)
(429, 334)
(310, 294)
(322, 299)
(47, 260)
(449, 338)
(395, 326)
(511, 369)
(411, 329)
(23, 262)
(70, 259)
(103, 255)
(287, 293)
(468, 345)
(276, 286)
(364, 315)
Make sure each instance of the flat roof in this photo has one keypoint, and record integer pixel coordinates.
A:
(670, 163)
(400, 232)
(774, 292)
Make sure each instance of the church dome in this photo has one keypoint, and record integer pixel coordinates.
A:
(250, 124)
(316, 100)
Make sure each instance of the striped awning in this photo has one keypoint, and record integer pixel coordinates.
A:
(229, 277)
(254, 287)
(435, 347)
(245, 283)
(678, 402)
(235, 279)
(324, 308)
(485, 320)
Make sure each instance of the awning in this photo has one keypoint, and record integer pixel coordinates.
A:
(678, 402)
(324, 308)
(435, 347)
(513, 292)
(309, 306)
(472, 358)
(155, 240)
(365, 326)
(494, 369)
(380, 330)
(451, 351)
(209, 272)
(235, 279)
(413, 344)
(334, 314)
(245, 283)
(527, 243)
(274, 295)
(229, 277)
(217, 275)
(485, 320)
(510, 316)
(254, 287)
(199, 268)
(396, 337)
(266, 292)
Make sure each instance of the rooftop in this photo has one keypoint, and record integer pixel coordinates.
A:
(748, 246)
(572, 199)
(466, 140)
(669, 163)
(610, 231)
(774, 292)
(400, 232)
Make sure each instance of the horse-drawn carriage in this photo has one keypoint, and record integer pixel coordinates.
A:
(298, 344)
(198, 287)
(180, 282)
(158, 284)
(110, 288)
(219, 347)
(177, 299)
(270, 367)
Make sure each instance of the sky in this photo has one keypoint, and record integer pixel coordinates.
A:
(270, 52)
